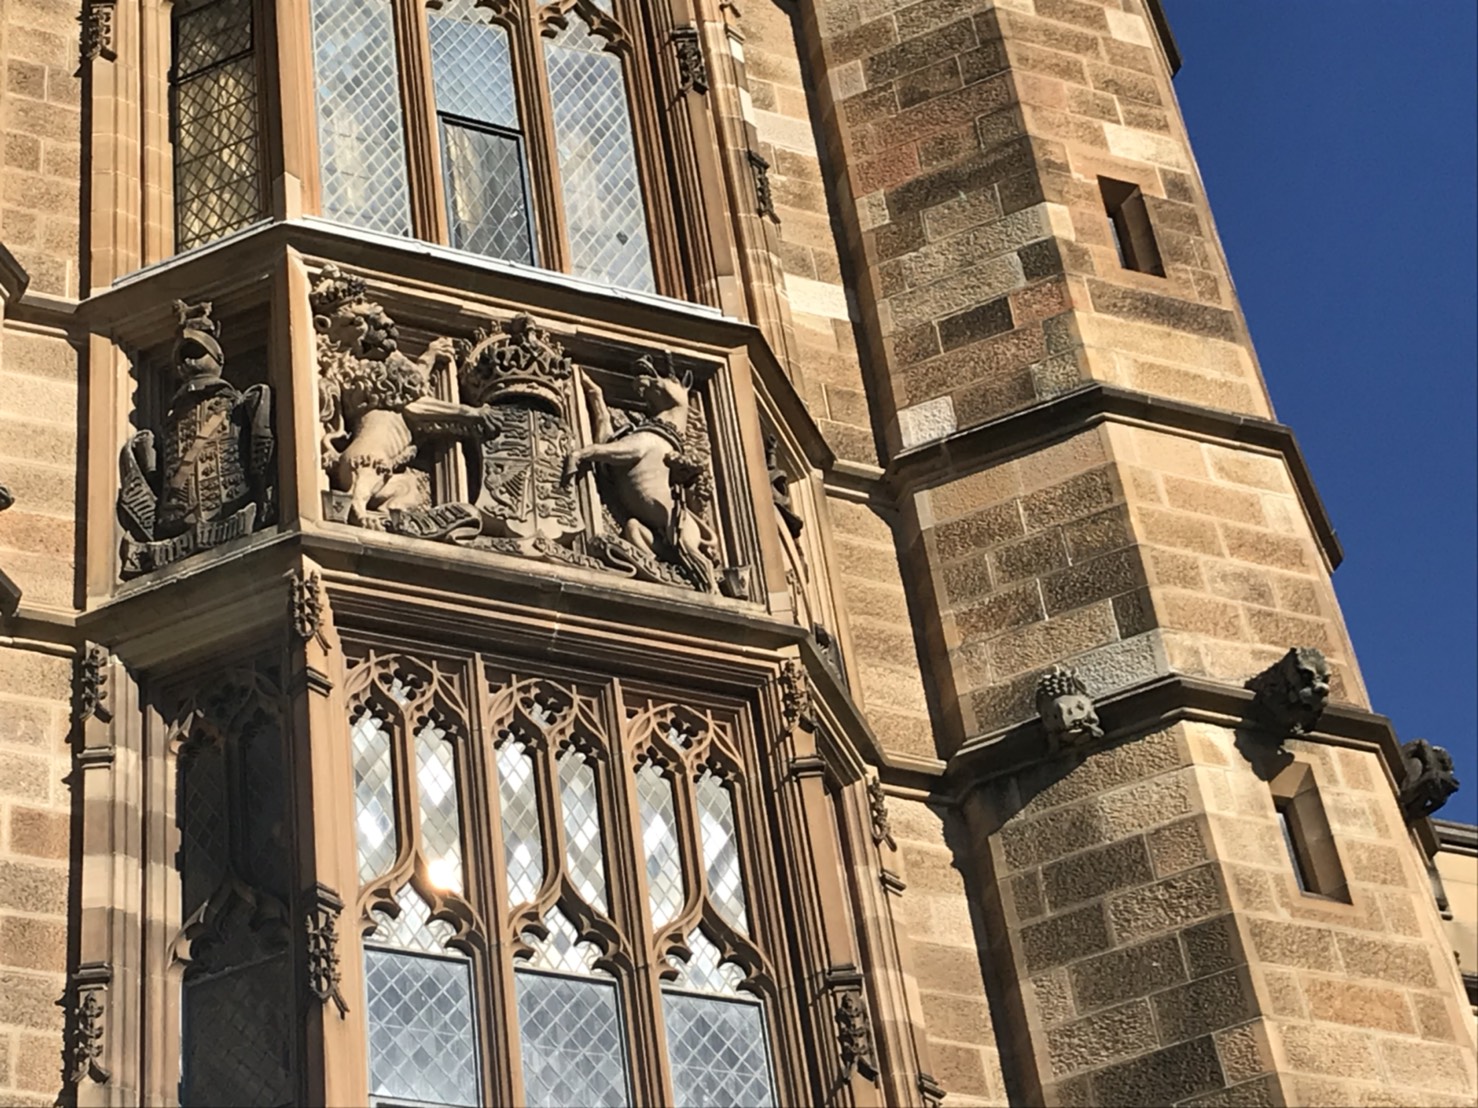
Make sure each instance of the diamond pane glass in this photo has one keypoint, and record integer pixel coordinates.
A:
(471, 68)
(374, 802)
(718, 1050)
(202, 818)
(705, 972)
(584, 855)
(422, 1038)
(360, 134)
(659, 842)
(603, 202)
(574, 1053)
(486, 200)
(562, 951)
(217, 166)
(413, 929)
(721, 848)
(210, 33)
(235, 1047)
(523, 850)
(441, 821)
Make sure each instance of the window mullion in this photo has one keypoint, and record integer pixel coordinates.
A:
(422, 150)
(532, 79)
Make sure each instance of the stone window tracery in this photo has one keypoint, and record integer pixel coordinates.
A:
(521, 143)
(612, 899)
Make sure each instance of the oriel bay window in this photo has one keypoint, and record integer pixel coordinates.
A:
(508, 128)
(558, 887)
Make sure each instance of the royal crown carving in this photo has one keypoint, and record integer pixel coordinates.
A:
(513, 399)
(207, 476)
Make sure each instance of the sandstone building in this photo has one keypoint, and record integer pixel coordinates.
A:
(573, 552)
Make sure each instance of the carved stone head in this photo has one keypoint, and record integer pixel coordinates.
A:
(344, 317)
(1429, 779)
(1292, 692)
(1066, 708)
(659, 384)
(197, 350)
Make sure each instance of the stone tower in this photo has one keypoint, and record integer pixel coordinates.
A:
(597, 551)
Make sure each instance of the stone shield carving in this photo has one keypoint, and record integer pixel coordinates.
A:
(206, 477)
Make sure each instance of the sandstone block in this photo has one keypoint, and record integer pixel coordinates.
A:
(1092, 873)
(1210, 1004)
(1122, 975)
(1291, 944)
(1405, 964)
(1172, 902)
(1062, 939)
(1167, 1076)
(1336, 1001)
(1101, 1038)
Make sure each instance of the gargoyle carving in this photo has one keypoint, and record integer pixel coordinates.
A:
(654, 487)
(213, 482)
(378, 413)
(1066, 708)
(780, 489)
(1429, 780)
(1291, 693)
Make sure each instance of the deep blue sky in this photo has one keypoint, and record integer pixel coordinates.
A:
(1337, 142)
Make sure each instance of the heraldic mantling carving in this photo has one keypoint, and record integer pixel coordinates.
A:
(210, 479)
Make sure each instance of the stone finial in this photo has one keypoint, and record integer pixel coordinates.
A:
(1291, 693)
(1429, 779)
(1066, 708)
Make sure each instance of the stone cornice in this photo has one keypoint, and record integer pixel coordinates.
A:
(1021, 432)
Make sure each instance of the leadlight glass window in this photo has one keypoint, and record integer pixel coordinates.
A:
(217, 124)
(606, 943)
(535, 124)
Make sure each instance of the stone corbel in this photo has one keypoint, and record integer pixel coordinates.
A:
(1067, 711)
(1290, 694)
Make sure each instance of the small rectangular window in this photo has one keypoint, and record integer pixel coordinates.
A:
(1129, 220)
(1306, 834)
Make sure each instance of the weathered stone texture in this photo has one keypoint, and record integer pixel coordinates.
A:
(41, 119)
(39, 386)
(35, 829)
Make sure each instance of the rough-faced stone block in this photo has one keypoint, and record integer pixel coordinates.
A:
(1173, 902)
(1166, 1076)
(1210, 1004)
(1125, 974)
(1212, 946)
(1064, 938)
(1094, 872)
(1336, 1001)
(1328, 1050)
(1407, 964)
(1101, 1038)
(1177, 847)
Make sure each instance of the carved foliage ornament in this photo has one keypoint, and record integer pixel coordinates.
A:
(91, 692)
(1066, 708)
(97, 32)
(692, 68)
(210, 478)
(795, 696)
(1292, 692)
(764, 197)
(854, 1036)
(306, 592)
(85, 1031)
(1429, 779)
(321, 926)
(382, 426)
(877, 802)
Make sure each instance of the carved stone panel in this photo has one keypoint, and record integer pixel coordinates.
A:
(205, 476)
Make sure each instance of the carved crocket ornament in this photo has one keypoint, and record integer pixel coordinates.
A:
(207, 476)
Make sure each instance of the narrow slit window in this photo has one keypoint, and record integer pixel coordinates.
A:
(1129, 222)
(1306, 834)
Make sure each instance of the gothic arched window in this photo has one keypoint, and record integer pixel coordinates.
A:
(507, 128)
(556, 877)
